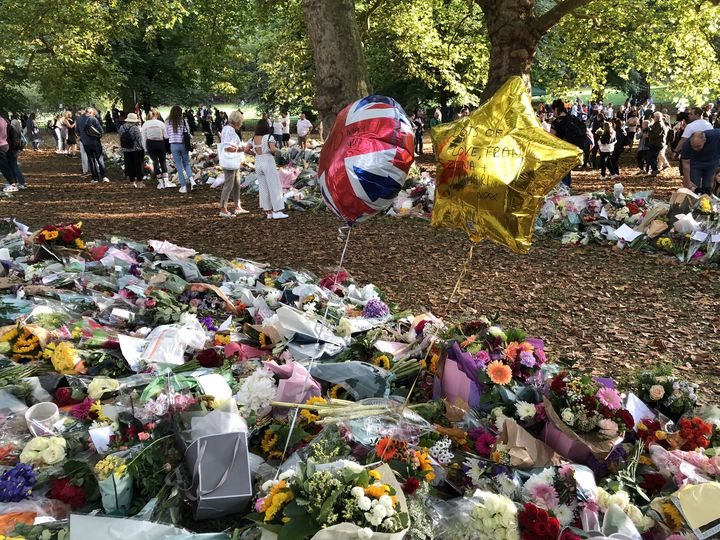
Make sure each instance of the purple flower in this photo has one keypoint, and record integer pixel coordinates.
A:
(208, 323)
(81, 411)
(483, 358)
(17, 483)
(375, 309)
(527, 359)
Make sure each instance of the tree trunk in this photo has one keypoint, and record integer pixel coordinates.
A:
(644, 87)
(514, 34)
(513, 42)
(128, 100)
(340, 70)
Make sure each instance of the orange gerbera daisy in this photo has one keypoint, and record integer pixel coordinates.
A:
(499, 373)
(512, 350)
(385, 449)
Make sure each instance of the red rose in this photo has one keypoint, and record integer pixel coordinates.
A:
(627, 418)
(540, 528)
(553, 527)
(63, 490)
(63, 397)
(209, 358)
(558, 384)
(68, 236)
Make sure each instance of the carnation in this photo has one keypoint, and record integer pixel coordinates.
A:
(257, 391)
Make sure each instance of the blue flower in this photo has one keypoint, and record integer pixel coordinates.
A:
(17, 483)
(375, 309)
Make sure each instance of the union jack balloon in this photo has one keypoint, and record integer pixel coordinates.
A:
(366, 158)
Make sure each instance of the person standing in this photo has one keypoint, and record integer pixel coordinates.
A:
(264, 148)
(642, 148)
(109, 125)
(6, 169)
(285, 121)
(632, 125)
(607, 141)
(701, 159)
(436, 120)
(568, 128)
(33, 131)
(419, 129)
(60, 134)
(180, 139)
(71, 134)
(80, 121)
(190, 117)
(277, 131)
(656, 139)
(16, 146)
(154, 133)
(132, 148)
(695, 123)
(90, 136)
(620, 143)
(231, 141)
(303, 128)
(206, 126)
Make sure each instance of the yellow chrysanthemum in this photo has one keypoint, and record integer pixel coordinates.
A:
(374, 474)
(79, 243)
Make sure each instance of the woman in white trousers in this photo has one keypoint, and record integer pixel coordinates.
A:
(263, 146)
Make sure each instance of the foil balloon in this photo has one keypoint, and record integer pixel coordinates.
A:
(495, 168)
(366, 158)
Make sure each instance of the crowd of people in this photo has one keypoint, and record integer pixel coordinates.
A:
(604, 133)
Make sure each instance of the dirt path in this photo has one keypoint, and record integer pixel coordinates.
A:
(611, 311)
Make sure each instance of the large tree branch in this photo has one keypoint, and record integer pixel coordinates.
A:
(550, 18)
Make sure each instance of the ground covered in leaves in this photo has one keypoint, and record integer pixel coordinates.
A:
(610, 311)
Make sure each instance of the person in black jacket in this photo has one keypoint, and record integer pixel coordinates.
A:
(621, 142)
(132, 148)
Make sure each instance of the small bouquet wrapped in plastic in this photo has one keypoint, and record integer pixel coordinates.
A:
(485, 515)
(339, 501)
(116, 485)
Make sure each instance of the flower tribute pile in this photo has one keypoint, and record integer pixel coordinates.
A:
(147, 380)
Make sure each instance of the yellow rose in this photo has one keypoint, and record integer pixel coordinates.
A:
(64, 358)
(29, 456)
(53, 454)
(38, 444)
(57, 441)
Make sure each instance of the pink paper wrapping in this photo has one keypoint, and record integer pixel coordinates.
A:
(244, 352)
(288, 176)
(457, 388)
(296, 386)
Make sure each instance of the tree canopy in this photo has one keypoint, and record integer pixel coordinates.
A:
(421, 52)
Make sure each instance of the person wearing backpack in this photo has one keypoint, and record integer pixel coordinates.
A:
(568, 128)
(132, 149)
(90, 136)
(656, 140)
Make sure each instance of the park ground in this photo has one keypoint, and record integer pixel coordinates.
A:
(612, 312)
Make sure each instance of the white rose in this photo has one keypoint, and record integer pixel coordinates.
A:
(602, 498)
(568, 417)
(365, 532)
(634, 514)
(53, 454)
(38, 444)
(621, 498)
(29, 456)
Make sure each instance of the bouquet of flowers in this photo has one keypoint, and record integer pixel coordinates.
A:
(413, 465)
(41, 451)
(672, 396)
(17, 483)
(553, 491)
(337, 502)
(68, 236)
(588, 412)
(21, 344)
(115, 483)
(486, 515)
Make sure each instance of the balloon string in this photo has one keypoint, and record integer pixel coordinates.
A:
(464, 270)
(293, 422)
(337, 274)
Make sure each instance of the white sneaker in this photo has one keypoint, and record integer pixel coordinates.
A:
(160, 185)
(169, 184)
(183, 189)
(93, 181)
(106, 180)
(278, 215)
(227, 214)
(22, 187)
(192, 183)
(10, 189)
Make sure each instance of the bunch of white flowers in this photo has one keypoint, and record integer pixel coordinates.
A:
(605, 500)
(525, 410)
(376, 510)
(496, 517)
(257, 391)
(44, 451)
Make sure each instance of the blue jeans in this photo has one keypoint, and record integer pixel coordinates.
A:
(16, 166)
(703, 176)
(182, 162)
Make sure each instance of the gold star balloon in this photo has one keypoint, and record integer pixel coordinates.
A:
(495, 168)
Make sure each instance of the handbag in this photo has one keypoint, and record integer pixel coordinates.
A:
(229, 160)
(187, 138)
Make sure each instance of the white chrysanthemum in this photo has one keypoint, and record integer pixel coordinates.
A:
(525, 410)
(365, 533)
(364, 504)
(357, 492)
(507, 485)
(257, 391)
(475, 473)
(287, 474)
(564, 514)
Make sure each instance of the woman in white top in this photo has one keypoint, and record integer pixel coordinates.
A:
(230, 142)
(263, 146)
(154, 133)
(277, 131)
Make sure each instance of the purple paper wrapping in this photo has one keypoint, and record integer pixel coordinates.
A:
(564, 445)
(457, 387)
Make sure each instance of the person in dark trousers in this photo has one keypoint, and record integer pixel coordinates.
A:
(109, 124)
(33, 131)
(132, 149)
(419, 129)
(190, 118)
(206, 126)
(656, 141)
(621, 142)
(17, 145)
(568, 128)
(6, 169)
(90, 135)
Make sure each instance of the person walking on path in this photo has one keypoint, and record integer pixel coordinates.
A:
(132, 148)
(33, 132)
(154, 134)
(80, 121)
(607, 142)
(180, 146)
(231, 142)
(264, 148)
(90, 136)
(71, 138)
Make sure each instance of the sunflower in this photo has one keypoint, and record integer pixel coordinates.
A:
(269, 441)
(334, 391)
(499, 373)
(673, 519)
(434, 363)
(383, 361)
(307, 413)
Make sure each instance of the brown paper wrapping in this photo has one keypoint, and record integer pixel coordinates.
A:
(599, 446)
(525, 450)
